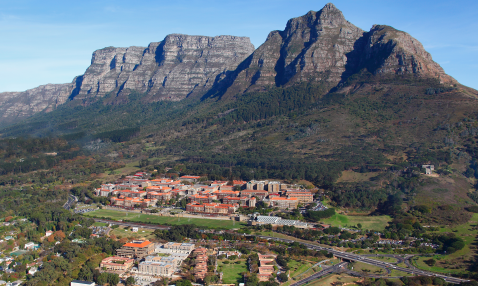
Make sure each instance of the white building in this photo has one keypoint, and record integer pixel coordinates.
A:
(82, 283)
(29, 245)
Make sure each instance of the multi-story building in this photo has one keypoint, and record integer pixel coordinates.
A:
(303, 197)
(284, 203)
(159, 196)
(133, 202)
(191, 179)
(175, 261)
(179, 247)
(254, 193)
(225, 193)
(156, 268)
(213, 208)
(241, 201)
(203, 199)
(117, 263)
(136, 249)
(273, 187)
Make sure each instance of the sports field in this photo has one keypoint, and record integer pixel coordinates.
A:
(368, 222)
(232, 272)
(162, 220)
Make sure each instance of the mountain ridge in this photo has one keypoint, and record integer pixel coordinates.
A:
(321, 47)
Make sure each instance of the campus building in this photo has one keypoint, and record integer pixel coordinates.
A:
(117, 263)
(136, 249)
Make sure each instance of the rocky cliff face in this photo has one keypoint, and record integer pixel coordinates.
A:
(173, 69)
(177, 67)
(324, 47)
(319, 46)
(389, 51)
(18, 105)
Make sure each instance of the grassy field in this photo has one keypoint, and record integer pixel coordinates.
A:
(232, 271)
(333, 280)
(385, 259)
(100, 224)
(368, 222)
(367, 268)
(147, 218)
(142, 233)
(454, 262)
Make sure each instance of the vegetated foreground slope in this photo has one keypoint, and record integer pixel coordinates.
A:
(388, 109)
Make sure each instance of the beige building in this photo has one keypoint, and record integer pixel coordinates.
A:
(117, 263)
(179, 247)
(284, 203)
(136, 249)
(156, 268)
(303, 197)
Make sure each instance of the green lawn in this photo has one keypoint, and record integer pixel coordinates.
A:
(232, 271)
(137, 217)
(368, 222)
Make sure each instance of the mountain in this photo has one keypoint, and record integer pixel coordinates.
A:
(173, 69)
(318, 100)
(324, 47)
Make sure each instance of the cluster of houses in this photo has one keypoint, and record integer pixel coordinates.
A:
(218, 197)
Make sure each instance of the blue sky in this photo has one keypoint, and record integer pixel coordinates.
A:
(52, 41)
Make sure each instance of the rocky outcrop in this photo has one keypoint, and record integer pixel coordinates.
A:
(173, 69)
(324, 47)
(18, 105)
(389, 51)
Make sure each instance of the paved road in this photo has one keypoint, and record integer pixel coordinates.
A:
(360, 258)
(337, 253)
(71, 199)
(319, 274)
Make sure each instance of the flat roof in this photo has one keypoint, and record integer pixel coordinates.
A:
(138, 243)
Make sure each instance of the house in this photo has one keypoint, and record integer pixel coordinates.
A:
(29, 245)
(429, 169)
(32, 270)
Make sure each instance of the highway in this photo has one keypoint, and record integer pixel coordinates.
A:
(319, 274)
(364, 259)
(337, 253)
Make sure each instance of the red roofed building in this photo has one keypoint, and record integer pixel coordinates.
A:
(213, 208)
(136, 249)
(203, 199)
(254, 193)
(303, 197)
(223, 193)
(189, 178)
(159, 196)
